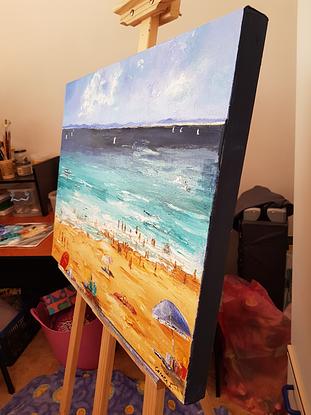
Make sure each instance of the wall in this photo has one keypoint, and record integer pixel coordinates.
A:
(46, 43)
(301, 312)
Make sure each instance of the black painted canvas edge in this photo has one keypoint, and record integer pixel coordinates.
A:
(250, 50)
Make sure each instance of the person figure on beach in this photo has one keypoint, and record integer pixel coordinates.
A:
(126, 250)
(130, 262)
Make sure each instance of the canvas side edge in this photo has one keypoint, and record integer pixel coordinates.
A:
(250, 51)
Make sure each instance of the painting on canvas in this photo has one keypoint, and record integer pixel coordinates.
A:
(143, 158)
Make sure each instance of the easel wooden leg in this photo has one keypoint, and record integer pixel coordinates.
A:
(148, 33)
(206, 406)
(73, 354)
(7, 378)
(153, 397)
(104, 373)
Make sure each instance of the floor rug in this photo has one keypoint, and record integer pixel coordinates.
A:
(42, 396)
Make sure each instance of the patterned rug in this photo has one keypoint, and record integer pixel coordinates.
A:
(42, 396)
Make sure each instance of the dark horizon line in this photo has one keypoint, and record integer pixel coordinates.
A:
(111, 126)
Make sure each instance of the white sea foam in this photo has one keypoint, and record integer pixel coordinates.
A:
(200, 216)
(174, 207)
(85, 183)
(188, 229)
(145, 151)
(129, 197)
(141, 198)
(188, 262)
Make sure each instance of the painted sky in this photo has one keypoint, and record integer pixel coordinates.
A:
(187, 78)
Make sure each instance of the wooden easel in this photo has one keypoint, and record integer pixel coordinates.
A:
(149, 15)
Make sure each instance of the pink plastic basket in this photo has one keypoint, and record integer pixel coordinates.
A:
(59, 341)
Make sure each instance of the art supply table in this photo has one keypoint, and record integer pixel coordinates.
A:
(30, 268)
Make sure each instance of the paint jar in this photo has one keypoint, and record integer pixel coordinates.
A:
(23, 163)
(24, 169)
(21, 156)
(7, 169)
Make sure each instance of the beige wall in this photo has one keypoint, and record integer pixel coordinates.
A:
(301, 312)
(44, 44)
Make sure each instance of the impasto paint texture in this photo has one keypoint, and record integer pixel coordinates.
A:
(139, 166)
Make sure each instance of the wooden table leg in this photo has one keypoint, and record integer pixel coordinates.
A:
(73, 354)
(104, 373)
(153, 397)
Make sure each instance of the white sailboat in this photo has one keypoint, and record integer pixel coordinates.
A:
(198, 131)
(173, 129)
(181, 128)
(114, 140)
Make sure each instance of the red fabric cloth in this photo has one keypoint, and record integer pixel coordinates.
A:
(256, 335)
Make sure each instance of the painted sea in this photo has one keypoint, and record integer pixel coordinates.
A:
(152, 187)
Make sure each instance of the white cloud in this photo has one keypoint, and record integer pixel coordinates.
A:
(100, 91)
(140, 63)
(178, 86)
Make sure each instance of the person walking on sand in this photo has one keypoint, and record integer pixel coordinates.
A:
(130, 262)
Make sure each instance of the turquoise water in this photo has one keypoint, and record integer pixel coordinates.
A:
(142, 189)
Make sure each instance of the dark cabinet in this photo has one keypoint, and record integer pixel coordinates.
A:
(42, 181)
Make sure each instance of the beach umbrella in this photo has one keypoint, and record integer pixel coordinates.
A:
(170, 316)
(64, 261)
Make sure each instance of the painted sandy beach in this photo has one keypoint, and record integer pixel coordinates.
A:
(131, 280)
(137, 252)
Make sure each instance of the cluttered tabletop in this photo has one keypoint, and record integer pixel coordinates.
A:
(26, 220)
(44, 247)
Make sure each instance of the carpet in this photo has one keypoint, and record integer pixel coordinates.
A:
(42, 397)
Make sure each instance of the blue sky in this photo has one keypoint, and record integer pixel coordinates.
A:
(187, 78)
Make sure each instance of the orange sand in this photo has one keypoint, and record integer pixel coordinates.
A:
(143, 284)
